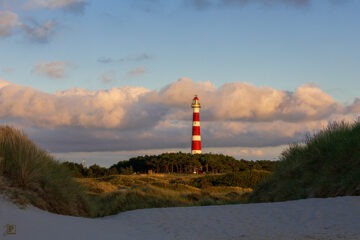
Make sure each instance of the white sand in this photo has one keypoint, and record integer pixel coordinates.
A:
(332, 218)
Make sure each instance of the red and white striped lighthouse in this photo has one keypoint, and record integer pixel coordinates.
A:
(196, 137)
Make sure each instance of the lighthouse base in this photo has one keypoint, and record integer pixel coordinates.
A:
(195, 151)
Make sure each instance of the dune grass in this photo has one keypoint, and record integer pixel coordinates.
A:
(31, 175)
(113, 194)
(327, 164)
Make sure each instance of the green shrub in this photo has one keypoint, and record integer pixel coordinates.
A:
(244, 179)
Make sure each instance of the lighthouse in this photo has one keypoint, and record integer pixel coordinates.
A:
(196, 137)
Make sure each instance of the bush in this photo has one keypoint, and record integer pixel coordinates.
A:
(43, 181)
(245, 179)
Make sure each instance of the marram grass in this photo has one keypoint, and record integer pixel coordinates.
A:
(327, 164)
(33, 175)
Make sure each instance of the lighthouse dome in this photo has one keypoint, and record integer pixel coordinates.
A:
(195, 102)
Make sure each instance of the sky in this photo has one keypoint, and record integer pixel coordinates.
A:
(87, 79)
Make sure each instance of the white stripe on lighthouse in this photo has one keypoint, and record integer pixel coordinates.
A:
(196, 152)
(196, 124)
(196, 138)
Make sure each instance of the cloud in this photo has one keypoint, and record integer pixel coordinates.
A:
(8, 70)
(132, 118)
(75, 6)
(39, 32)
(266, 104)
(199, 4)
(268, 2)
(136, 72)
(8, 22)
(355, 107)
(108, 77)
(205, 4)
(69, 109)
(3, 83)
(138, 58)
(55, 69)
(148, 6)
(134, 58)
(106, 60)
(35, 31)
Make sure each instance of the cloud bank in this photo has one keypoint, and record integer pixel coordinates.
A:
(132, 118)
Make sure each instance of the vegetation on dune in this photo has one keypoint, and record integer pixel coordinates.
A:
(30, 175)
(126, 186)
(244, 179)
(173, 163)
(188, 163)
(326, 165)
(113, 194)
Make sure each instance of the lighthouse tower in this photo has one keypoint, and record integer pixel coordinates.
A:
(196, 138)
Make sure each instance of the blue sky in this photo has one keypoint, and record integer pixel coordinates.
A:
(281, 45)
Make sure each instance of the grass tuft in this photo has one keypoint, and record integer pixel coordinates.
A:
(326, 165)
(32, 175)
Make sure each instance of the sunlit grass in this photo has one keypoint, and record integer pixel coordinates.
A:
(128, 192)
(327, 164)
(32, 175)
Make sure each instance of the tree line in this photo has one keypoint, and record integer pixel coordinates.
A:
(180, 163)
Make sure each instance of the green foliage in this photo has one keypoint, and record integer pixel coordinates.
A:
(78, 170)
(326, 165)
(43, 182)
(244, 179)
(179, 163)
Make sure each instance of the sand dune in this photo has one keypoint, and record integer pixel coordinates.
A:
(331, 218)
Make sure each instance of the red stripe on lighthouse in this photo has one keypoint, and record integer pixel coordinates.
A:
(196, 130)
(196, 116)
(196, 145)
(196, 137)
